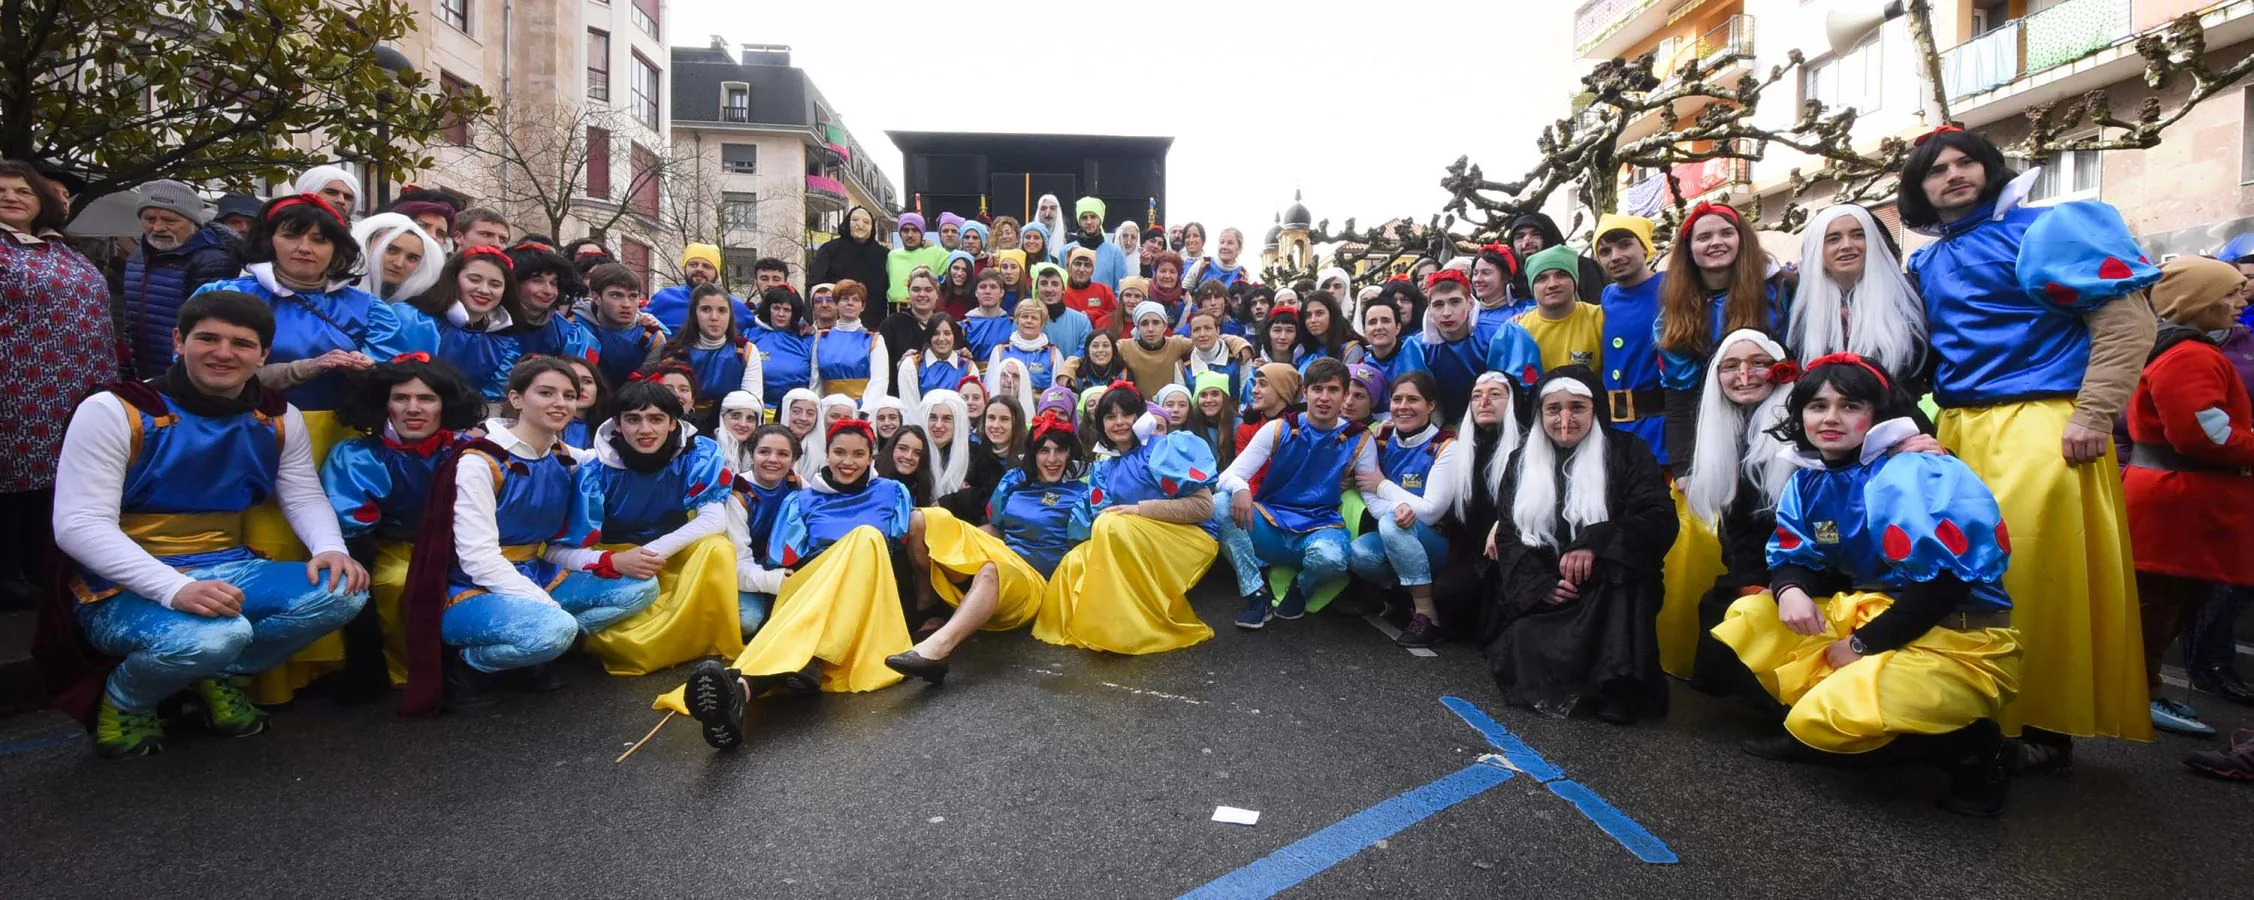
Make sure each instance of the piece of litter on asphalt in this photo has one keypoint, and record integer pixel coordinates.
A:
(936, 819)
(1482, 865)
(1420, 651)
(1234, 816)
(1381, 844)
(1497, 759)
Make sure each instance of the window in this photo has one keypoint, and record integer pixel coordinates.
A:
(2067, 175)
(743, 159)
(455, 13)
(636, 256)
(739, 210)
(735, 102)
(456, 130)
(645, 16)
(598, 163)
(642, 194)
(738, 262)
(1851, 79)
(598, 65)
(646, 89)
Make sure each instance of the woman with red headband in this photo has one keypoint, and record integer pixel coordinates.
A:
(1031, 509)
(474, 307)
(1886, 624)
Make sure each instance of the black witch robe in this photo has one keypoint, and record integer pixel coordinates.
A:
(1744, 529)
(1548, 657)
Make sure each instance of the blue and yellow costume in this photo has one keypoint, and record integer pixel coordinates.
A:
(696, 612)
(1035, 517)
(1296, 518)
(1408, 356)
(1036, 362)
(1631, 363)
(1454, 365)
(845, 360)
(1123, 589)
(2006, 291)
(377, 486)
(558, 335)
(786, 361)
(670, 307)
(944, 374)
(988, 332)
(718, 371)
(1395, 555)
(758, 505)
(484, 356)
(620, 352)
(1916, 531)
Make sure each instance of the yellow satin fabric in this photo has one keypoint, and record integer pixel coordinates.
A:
(182, 534)
(517, 553)
(268, 532)
(851, 387)
(1689, 571)
(843, 609)
(958, 551)
(1123, 591)
(695, 614)
(2072, 581)
(387, 585)
(1945, 680)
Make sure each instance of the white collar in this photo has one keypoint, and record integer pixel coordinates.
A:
(683, 433)
(496, 320)
(1419, 439)
(497, 431)
(1878, 442)
(264, 272)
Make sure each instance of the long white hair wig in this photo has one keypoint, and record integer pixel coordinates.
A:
(375, 233)
(1883, 321)
(1534, 506)
(1732, 439)
(951, 465)
(1459, 473)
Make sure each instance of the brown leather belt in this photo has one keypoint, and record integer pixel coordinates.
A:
(2166, 459)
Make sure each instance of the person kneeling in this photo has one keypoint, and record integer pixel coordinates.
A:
(1911, 646)
(1292, 517)
(150, 494)
(1578, 547)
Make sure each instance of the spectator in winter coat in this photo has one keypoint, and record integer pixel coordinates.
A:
(856, 255)
(179, 251)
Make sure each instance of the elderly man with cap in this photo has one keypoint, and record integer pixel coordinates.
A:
(1630, 373)
(700, 265)
(1111, 262)
(913, 253)
(180, 250)
(238, 212)
(1559, 331)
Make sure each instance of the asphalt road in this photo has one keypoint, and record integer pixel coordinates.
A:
(1042, 771)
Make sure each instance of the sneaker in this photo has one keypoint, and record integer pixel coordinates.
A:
(467, 688)
(1422, 632)
(2176, 716)
(1258, 609)
(1978, 783)
(1294, 605)
(227, 711)
(542, 678)
(2233, 764)
(122, 735)
(715, 695)
(2223, 681)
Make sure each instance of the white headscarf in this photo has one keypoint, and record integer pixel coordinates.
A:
(1347, 302)
(1729, 440)
(873, 403)
(1459, 471)
(1059, 232)
(1884, 320)
(1132, 248)
(1533, 507)
(951, 464)
(1024, 395)
(810, 447)
(375, 233)
(731, 450)
(312, 180)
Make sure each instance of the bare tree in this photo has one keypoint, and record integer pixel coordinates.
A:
(699, 210)
(550, 163)
(1374, 252)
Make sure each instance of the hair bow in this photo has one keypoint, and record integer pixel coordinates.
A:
(1708, 208)
(1850, 359)
(417, 356)
(860, 426)
(301, 199)
(1937, 130)
(1446, 276)
(1049, 421)
(507, 264)
(1119, 384)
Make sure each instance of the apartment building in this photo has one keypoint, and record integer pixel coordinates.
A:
(771, 167)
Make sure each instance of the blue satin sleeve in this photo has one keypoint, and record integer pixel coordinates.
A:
(1182, 464)
(709, 478)
(1678, 370)
(1091, 504)
(395, 329)
(1794, 542)
(1932, 515)
(583, 525)
(998, 501)
(578, 342)
(902, 506)
(787, 544)
(356, 482)
(1514, 353)
(2078, 256)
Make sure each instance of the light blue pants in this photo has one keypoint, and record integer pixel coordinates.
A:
(1396, 555)
(1320, 554)
(753, 608)
(499, 632)
(165, 650)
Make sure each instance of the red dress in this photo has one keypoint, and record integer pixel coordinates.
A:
(2192, 524)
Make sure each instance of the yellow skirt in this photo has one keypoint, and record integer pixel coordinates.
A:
(1689, 572)
(268, 532)
(1945, 680)
(695, 614)
(959, 551)
(2072, 582)
(387, 585)
(843, 609)
(1123, 591)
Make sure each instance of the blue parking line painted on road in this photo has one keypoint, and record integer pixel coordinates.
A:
(1310, 855)
(27, 746)
(1639, 840)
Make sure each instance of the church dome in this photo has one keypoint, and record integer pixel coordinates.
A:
(1296, 215)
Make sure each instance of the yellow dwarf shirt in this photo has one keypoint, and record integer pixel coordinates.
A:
(1576, 339)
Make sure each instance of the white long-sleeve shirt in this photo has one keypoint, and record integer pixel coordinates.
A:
(1239, 475)
(477, 535)
(90, 483)
(751, 575)
(1439, 493)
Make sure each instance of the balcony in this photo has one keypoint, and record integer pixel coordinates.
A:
(824, 194)
(1724, 54)
(1697, 180)
(2046, 40)
(1603, 29)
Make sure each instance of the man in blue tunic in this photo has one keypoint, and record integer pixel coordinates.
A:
(1631, 305)
(1292, 517)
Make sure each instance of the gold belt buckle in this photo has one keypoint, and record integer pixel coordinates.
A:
(1620, 400)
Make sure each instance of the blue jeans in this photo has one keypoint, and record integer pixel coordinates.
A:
(753, 608)
(499, 632)
(1320, 554)
(165, 650)
(1406, 553)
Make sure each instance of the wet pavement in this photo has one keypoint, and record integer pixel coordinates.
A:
(1042, 771)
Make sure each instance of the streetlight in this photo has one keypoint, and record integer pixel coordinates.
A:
(1848, 22)
(397, 64)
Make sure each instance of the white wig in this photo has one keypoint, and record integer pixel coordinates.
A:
(1024, 395)
(1059, 232)
(1132, 248)
(1347, 301)
(733, 451)
(1459, 473)
(950, 465)
(1883, 319)
(375, 233)
(1730, 440)
(312, 180)
(1533, 507)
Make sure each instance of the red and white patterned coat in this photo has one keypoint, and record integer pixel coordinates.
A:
(56, 346)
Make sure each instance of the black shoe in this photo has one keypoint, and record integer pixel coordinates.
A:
(539, 679)
(2223, 681)
(715, 695)
(1294, 605)
(467, 689)
(1781, 747)
(916, 665)
(1614, 710)
(2044, 753)
(1422, 632)
(1978, 783)
(805, 682)
(1353, 604)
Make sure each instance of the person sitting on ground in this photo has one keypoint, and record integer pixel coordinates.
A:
(1735, 479)
(905, 457)
(1292, 517)
(763, 479)
(1910, 647)
(1407, 544)
(1031, 507)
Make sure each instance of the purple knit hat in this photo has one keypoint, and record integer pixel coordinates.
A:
(948, 218)
(1058, 398)
(1371, 379)
(916, 219)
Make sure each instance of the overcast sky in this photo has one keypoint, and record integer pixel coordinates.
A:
(1364, 115)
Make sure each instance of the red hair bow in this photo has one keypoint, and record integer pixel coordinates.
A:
(533, 245)
(1446, 276)
(1708, 208)
(417, 356)
(1784, 371)
(1850, 359)
(1284, 309)
(1121, 384)
(1400, 276)
(859, 426)
(1509, 259)
(1938, 130)
(1048, 422)
(507, 264)
(301, 199)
